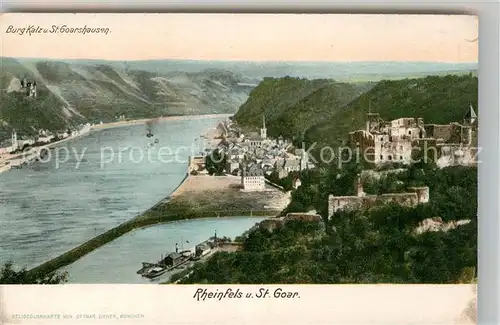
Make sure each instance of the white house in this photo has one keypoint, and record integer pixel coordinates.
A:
(252, 179)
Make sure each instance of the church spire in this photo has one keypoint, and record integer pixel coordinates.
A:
(263, 130)
(471, 116)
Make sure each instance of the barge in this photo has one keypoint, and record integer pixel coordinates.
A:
(170, 262)
(177, 259)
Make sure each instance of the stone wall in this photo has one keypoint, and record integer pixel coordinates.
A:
(415, 196)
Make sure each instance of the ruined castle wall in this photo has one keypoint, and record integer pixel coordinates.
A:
(365, 142)
(338, 203)
(408, 199)
(451, 133)
(392, 151)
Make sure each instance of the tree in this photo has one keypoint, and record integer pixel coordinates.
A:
(9, 276)
(215, 162)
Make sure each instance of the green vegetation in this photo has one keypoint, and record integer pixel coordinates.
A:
(215, 163)
(291, 105)
(10, 276)
(371, 245)
(27, 115)
(377, 245)
(324, 111)
(286, 182)
(437, 99)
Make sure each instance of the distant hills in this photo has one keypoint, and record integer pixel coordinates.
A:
(323, 112)
(71, 93)
(76, 91)
(256, 71)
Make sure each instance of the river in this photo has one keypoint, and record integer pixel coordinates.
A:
(50, 207)
(119, 261)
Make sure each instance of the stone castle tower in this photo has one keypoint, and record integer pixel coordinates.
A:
(373, 122)
(28, 87)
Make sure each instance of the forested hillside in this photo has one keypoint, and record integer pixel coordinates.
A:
(291, 105)
(324, 111)
(370, 245)
(436, 99)
(378, 245)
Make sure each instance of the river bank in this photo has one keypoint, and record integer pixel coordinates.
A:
(195, 198)
(51, 207)
(8, 161)
(118, 261)
(163, 118)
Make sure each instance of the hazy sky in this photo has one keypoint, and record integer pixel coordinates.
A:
(252, 37)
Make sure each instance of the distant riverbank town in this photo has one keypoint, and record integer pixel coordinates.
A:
(19, 151)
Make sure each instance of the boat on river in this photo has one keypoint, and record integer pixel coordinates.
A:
(177, 259)
(156, 272)
(160, 269)
(146, 267)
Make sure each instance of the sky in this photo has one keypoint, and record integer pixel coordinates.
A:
(248, 37)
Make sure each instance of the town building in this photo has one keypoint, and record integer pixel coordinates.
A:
(414, 196)
(252, 178)
(221, 130)
(303, 216)
(256, 139)
(233, 167)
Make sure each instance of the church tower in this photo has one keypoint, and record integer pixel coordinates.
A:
(263, 130)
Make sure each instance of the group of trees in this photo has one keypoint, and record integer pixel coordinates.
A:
(377, 245)
(215, 162)
(8, 275)
(286, 182)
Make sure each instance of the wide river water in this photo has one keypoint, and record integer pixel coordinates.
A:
(49, 207)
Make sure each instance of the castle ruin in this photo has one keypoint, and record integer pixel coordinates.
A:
(414, 196)
(28, 87)
(397, 140)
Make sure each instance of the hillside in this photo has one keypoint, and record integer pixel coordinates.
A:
(375, 245)
(291, 105)
(437, 99)
(341, 71)
(324, 111)
(73, 93)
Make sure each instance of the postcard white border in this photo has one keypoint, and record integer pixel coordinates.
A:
(135, 297)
